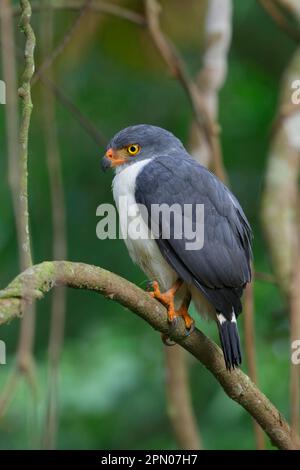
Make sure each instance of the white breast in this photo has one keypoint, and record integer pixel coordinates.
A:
(144, 250)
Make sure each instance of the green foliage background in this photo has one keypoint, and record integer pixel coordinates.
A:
(112, 368)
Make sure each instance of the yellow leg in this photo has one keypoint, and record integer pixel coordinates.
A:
(183, 312)
(167, 299)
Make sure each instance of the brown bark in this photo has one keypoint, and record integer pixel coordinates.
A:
(40, 279)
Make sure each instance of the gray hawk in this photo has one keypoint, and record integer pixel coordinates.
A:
(153, 169)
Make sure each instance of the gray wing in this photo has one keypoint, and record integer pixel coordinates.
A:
(221, 268)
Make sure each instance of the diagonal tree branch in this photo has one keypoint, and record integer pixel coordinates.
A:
(272, 7)
(36, 281)
(213, 71)
(97, 6)
(90, 128)
(178, 70)
(59, 49)
(92, 131)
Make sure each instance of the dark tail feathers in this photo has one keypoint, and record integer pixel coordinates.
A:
(230, 341)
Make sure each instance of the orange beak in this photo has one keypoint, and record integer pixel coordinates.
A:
(113, 158)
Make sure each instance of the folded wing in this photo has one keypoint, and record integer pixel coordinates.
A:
(221, 268)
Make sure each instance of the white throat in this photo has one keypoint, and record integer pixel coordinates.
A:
(143, 251)
(124, 181)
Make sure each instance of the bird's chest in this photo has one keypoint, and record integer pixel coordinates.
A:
(142, 248)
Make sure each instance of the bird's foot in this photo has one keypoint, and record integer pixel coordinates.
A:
(167, 299)
(188, 320)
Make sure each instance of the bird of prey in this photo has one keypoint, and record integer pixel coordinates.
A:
(153, 169)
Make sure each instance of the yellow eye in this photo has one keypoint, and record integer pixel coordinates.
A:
(133, 149)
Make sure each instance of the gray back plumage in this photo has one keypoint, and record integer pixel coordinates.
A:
(221, 269)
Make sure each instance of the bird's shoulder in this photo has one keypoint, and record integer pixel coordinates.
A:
(181, 179)
(178, 168)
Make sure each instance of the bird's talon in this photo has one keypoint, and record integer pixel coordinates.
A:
(173, 324)
(156, 289)
(173, 320)
(167, 299)
(189, 330)
(158, 295)
(167, 340)
(149, 286)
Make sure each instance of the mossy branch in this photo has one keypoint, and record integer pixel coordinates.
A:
(37, 280)
(25, 95)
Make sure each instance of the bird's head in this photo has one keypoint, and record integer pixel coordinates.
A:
(138, 143)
